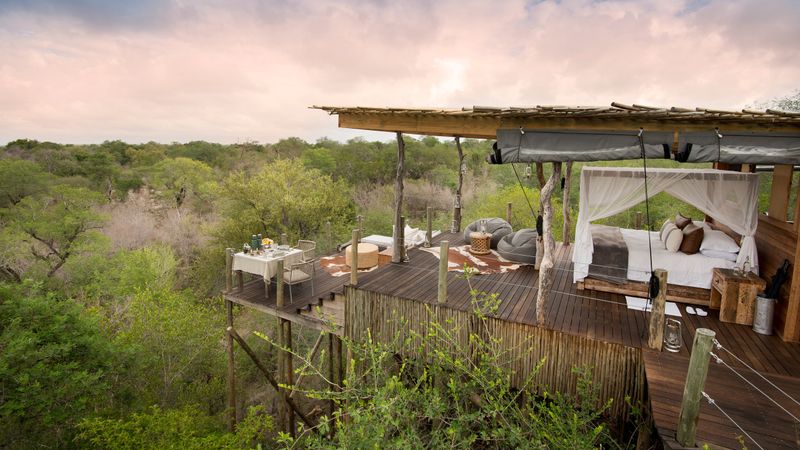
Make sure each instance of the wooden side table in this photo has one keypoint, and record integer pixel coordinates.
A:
(480, 243)
(734, 295)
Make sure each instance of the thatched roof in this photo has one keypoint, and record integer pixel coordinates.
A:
(483, 121)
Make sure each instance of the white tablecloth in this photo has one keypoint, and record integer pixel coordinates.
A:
(265, 265)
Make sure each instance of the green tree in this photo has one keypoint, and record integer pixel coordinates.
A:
(283, 197)
(18, 179)
(178, 179)
(54, 366)
(56, 225)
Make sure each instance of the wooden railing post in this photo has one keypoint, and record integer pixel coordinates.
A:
(429, 232)
(655, 338)
(695, 383)
(508, 212)
(283, 413)
(329, 235)
(444, 247)
(228, 269)
(457, 202)
(354, 258)
(638, 224)
(360, 222)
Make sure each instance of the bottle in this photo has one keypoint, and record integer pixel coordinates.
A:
(260, 242)
(254, 242)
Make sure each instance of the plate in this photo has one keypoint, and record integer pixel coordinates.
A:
(283, 247)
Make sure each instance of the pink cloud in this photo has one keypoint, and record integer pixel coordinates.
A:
(233, 71)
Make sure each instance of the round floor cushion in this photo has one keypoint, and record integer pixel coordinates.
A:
(519, 247)
(496, 226)
(367, 255)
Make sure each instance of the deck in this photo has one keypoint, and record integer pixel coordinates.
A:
(596, 315)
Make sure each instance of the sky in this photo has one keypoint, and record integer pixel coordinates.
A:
(231, 71)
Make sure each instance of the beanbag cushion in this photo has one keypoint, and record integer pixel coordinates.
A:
(519, 247)
(497, 226)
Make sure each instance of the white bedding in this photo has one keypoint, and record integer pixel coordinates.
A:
(685, 270)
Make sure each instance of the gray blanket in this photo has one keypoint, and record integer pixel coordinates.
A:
(610, 257)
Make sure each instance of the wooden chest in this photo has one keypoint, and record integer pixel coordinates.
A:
(734, 295)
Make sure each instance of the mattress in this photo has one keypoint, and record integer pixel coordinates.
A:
(682, 269)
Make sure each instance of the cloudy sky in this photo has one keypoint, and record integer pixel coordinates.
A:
(83, 71)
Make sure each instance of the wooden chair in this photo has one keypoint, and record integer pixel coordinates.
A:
(309, 249)
(299, 273)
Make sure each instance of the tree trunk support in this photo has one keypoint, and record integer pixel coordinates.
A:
(429, 232)
(693, 389)
(457, 206)
(655, 336)
(565, 206)
(354, 258)
(546, 267)
(397, 254)
(228, 269)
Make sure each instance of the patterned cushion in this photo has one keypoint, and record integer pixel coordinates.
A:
(674, 238)
(692, 238)
(681, 221)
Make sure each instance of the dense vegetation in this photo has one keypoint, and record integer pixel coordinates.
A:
(111, 260)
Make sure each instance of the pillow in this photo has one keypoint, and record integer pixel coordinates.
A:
(717, 240)
(674, 239)
(727, 256)
(692, 238)
(702, 224)
(681, 221)
(661, 233)
(665, 232)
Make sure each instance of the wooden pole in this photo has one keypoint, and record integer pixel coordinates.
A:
(565, 205)
(546, 267)
(360, 221)
(542, 181)
(283, 414)
(429, 233)
(310, 358)
(331, 373)
(288, 364)
(655, 335)
(693, 389)
(457, 206)
(263, 369)
(231, 369)
(444, 247)
(354, 259)
(239, 281)
(397, 255)
(638, 221)
(228, 269)
(508, 212)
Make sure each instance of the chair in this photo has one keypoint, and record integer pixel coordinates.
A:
(309, 249)
(299, 273)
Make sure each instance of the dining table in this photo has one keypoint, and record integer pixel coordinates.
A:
(266, 264)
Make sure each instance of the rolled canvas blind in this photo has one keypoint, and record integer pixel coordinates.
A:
(739, 147)
(527, 146)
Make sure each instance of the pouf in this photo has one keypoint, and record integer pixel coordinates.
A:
(495, 226)
(519, 247)
(367, 255)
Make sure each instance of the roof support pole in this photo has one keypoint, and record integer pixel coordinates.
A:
(457, 206)
(397, 251)
(565, 204)
(546, 267)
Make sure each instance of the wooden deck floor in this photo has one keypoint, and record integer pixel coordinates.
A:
(596, 315)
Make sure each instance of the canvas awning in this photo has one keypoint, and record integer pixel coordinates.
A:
(739, 147)
(531, 146)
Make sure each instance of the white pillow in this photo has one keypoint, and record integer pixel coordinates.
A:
(674, 238)
(661, 233)
(727, 256)
(717, 240)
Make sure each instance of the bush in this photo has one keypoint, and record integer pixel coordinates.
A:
(54, 362)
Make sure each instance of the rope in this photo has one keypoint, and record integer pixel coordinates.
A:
(523, 189)
(646, 198)
(714, 403)
(720, 347)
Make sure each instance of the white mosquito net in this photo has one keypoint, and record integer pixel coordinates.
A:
(729, 197)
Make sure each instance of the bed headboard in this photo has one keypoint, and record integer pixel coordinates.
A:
(724, 228)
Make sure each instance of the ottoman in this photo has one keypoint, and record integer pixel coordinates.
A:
(367, 255)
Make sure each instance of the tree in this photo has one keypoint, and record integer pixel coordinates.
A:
(54, 366)
(18, 179)
(790, 102)
(55, 225)
(283, 197)
(180, 178)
